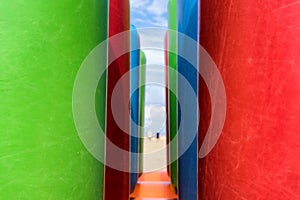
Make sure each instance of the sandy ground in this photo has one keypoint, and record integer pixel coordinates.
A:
(155, 154)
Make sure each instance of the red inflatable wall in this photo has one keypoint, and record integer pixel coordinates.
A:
(167, 99)
(256, 46)
(117, 182)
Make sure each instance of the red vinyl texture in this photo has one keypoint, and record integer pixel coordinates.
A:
(167, 100)
(117, 182)
(256, 46)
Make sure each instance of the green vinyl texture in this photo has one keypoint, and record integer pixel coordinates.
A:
(172, 57)
(42, 45)
(142, 106)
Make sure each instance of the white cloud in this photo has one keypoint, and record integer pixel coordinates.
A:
(158, 7)
(152, 38)
(156, 21)
(155, 57)
(155, 118)
(139, 4)
(160, 21)
(149, 12)
(139, 7)
(156, 95)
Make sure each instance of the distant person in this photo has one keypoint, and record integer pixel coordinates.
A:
(157, 135)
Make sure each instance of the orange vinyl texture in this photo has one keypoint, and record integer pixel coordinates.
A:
(156, 185)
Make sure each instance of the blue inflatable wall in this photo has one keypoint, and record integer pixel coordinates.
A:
(187, 163)
(134, 104)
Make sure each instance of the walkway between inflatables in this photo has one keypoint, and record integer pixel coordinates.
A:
(155, 185)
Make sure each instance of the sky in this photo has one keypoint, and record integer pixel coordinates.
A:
(143, 14)
(149, 13)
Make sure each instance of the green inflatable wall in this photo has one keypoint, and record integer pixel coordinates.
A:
(172, 58)
(42, 45)
(142, 107)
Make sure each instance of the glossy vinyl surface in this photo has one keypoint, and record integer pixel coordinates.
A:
(134, 104)
(256, 46)
(167, 101)
(187, 15)
(172, 94)
(118, 133)
(142, 81)
(42, 48)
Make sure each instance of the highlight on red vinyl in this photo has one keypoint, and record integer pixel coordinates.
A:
(114, 178)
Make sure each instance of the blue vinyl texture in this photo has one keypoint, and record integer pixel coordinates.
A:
(134, 104)
(187, 12)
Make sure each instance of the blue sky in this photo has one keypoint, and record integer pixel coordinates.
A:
(149, 13)
(152, 13)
